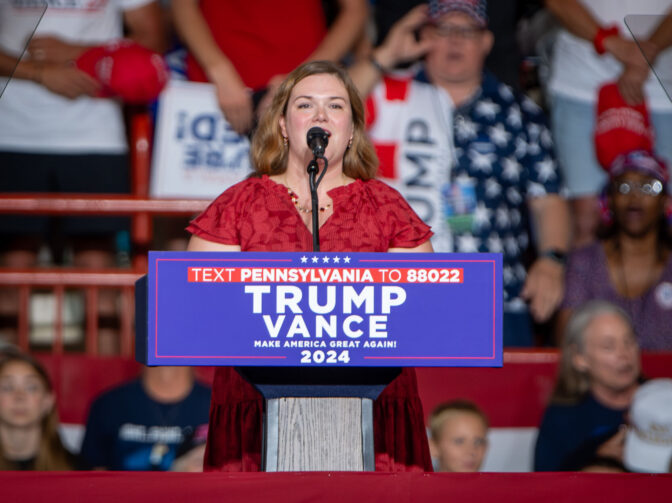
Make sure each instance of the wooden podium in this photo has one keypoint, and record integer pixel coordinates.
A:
(319, 335)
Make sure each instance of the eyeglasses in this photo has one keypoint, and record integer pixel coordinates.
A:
(652, 188)
(453, 30)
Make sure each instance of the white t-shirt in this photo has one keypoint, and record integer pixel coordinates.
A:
(411, 124)
(578, 71)
(35, 120)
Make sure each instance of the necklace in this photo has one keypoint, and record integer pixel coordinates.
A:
(651, 276)
(295, 200)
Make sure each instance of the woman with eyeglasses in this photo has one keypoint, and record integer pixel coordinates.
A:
(631, 264)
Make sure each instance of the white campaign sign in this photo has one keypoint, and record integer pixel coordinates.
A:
(196, 153)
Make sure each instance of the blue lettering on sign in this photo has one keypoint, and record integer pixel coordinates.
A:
(181, 125)
(209, 142)
(418, 172)
(203, 127)
(355, 309)
(418, 132)
(206, 128)
(214, 156)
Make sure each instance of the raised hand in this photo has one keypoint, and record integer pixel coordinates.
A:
(401, 44)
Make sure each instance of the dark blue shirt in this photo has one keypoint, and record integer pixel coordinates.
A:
(128, 430)
(569, 435)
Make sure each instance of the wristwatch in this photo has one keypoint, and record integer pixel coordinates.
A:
(556, 255)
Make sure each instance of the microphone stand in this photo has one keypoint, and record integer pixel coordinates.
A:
(314, 181)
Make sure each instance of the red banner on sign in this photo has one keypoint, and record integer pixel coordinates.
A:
(323, 275)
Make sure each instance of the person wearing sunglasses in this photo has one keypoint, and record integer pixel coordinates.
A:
(631, 263)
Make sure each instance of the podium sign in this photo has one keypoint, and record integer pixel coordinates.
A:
(321, 309)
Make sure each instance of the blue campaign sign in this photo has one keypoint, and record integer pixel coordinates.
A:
(322, 309)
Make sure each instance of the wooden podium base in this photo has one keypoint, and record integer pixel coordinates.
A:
(319, 434)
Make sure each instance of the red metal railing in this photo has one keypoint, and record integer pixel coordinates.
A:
(138, 206)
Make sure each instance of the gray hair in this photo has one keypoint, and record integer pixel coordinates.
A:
(572, 384)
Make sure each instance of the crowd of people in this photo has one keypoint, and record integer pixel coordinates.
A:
(432, 146)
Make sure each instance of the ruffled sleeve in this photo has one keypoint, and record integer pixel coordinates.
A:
(222, 219)
(403, 226)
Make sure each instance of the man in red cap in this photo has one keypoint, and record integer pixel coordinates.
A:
(471, 156)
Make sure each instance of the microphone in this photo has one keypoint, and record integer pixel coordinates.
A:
(317, 139)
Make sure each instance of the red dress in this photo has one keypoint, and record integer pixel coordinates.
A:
(258, 214)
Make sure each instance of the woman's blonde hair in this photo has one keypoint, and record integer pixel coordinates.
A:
(269, 152)
(572, 385)
(51, 454)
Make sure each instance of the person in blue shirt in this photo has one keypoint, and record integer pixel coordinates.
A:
(598, 375)
(141, 424)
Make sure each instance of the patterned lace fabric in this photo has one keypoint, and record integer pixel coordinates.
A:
(258, 214)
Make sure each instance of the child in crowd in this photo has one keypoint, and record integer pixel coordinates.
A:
(458, 440)
(29, 437)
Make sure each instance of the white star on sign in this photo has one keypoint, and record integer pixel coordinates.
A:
(507, 274)
(546, 138)
(325, 260)
(314, 259)
(304, 259)
(495, 244)
(505, 92)
(346, 260)
(515, 118)
(499, 135)
(337, 260)
(463, 179)
(533, 148)
(514, 196)
(502, 218)
(482, 162)
(465, 129)
(467, 243)
(517, 305)
(487, 109)
(521, 273)
(521, 147)
(511, 169)
(531, 106)
(515, 217)
(546, 169)
(535, 190)
(492, 188)
(482, 215)
(534, 130)
(511, 246)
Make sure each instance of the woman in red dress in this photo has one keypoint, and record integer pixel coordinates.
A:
(270, 211)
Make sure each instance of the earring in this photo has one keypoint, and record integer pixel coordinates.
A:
(285, 141)
(350, 142)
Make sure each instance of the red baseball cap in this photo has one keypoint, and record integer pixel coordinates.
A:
(126, 70)
(620, 128)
